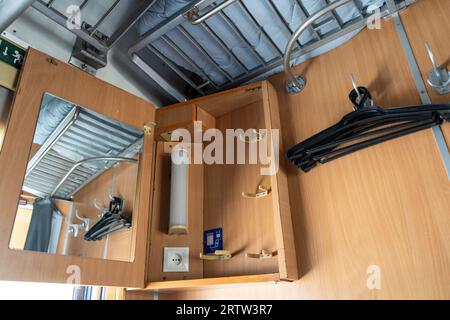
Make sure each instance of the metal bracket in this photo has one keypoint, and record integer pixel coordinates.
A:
(149, 128)
(438, 77)
(87, 57)
(52, 61)
(85, 221)
(256, 137)
(219, 255)
(192, 14)
(293, 88)
(74, 228)
(261, 193)
(264, 254)
(83, 66)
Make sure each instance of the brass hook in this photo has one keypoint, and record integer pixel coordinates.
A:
(264, 254)
(261, 193)
(217, 256)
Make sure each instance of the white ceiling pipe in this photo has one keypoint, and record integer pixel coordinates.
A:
(10, 10)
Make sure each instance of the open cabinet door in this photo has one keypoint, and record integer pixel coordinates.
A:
(43, 75)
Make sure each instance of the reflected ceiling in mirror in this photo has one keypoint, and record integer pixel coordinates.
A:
(80, 184)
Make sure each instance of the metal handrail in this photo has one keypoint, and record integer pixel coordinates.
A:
(292, 79)
(76, 165)
(212, 12)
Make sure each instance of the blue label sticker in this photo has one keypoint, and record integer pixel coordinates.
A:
(213, 240)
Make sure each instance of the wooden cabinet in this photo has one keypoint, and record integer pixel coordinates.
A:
(215, 191)
(42, 74)
(216, 196)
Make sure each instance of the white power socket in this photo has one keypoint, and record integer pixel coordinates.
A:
(176, 260)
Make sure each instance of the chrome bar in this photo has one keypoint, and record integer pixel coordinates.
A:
(433, 59)
(307, 15)
(287, 58)
(115, 159)
(212, 12)
(11, 10)
(128, 153)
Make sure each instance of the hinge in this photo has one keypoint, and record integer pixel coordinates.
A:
(149, 128)
(52, 61)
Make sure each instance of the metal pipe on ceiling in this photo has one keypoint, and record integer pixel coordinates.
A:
(10, 10)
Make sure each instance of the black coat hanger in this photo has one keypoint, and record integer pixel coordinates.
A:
(366, 126)
(112, 221)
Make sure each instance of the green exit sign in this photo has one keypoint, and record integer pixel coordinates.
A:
(11, 54)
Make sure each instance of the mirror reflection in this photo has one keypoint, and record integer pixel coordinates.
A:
(79, 189)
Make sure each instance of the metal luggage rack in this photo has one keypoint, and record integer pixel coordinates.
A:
(89, 32)
(51, 173)
(202, 10)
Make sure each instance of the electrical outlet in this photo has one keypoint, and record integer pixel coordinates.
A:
(176, 260)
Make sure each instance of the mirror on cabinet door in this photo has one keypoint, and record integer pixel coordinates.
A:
(79, 188)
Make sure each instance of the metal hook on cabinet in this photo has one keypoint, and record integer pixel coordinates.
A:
(254, 137)
(438, 77)
(85, 221)
(74, 228)
(96, 206)
(360, 96)
(99, 208)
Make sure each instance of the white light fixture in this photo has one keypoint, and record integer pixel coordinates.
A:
(179, 192)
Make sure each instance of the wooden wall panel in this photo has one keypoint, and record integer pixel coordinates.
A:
(120, 181)
(40, 75)
(387, 206)
(248, 224)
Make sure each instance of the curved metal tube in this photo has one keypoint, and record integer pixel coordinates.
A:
(76, 165)
(11, 10)
(287, 57)
(212, 12)
(433, 59)
(441, 73)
